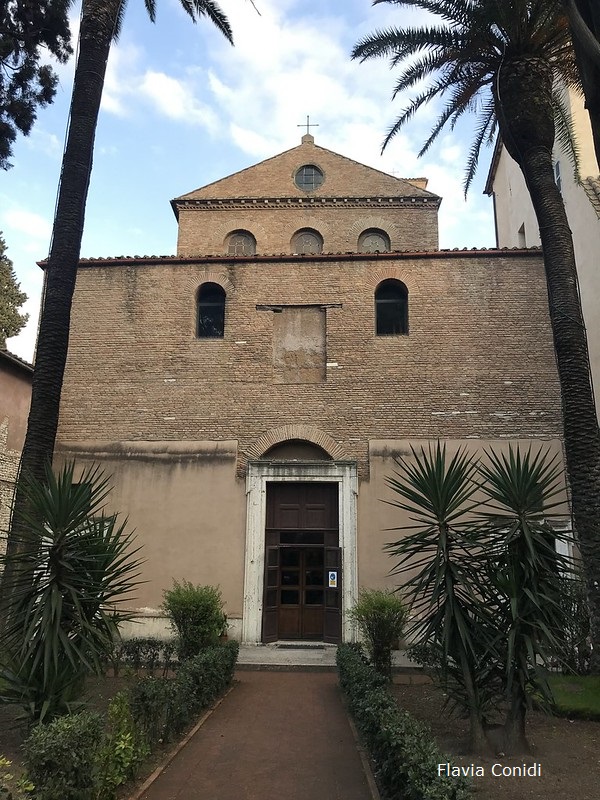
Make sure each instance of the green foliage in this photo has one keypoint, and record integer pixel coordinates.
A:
(74, 565)
(123, 750)
(62, 757)
(11, 298)
(196, 614)
(486, 582)
(163, 707)
(443, 554)
(27, 29)
(380, 616)
(403, 750)
(573, 651)
(11, 786)
(460, 56)
(85, 757)
(576, 696)
(142, 652)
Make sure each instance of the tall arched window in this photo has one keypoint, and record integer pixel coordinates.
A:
(373, 241)
(307, 242)
(211, 311)
(241, 243)
(391, 308)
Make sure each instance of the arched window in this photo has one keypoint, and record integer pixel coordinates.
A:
(211, 311)
(391, 308)
(307, 241)
(241, 243)
(373, 241)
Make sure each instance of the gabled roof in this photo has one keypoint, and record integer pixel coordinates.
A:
(274, 178)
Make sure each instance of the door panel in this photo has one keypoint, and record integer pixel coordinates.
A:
(302, 527)
(271, 599)
(332, 627)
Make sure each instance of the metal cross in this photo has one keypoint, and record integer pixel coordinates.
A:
(308, 124)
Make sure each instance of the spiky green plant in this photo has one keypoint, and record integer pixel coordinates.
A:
(443, 554)
(521, 496)
(75, 565)
(486, 577)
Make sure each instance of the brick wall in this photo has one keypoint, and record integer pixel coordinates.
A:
(478, 361)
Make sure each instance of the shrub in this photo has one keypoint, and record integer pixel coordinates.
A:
(380, 616)
(196, 613)
(163, 707)
(73, 758)
(123, 750)
(148, 653)
(403, 750)
(62, 757)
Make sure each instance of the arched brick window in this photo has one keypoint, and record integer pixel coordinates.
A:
(373, 240)
(240, 243)
(307, 241)
(391, 308)
(210, 311)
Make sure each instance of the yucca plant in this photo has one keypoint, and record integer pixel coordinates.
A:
(521, 496)
(443, 551)
(75, 565)
(485, 588)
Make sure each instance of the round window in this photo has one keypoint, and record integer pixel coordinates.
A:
(308, 178)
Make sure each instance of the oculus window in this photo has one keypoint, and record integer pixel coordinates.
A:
(241, 243)
(211, 311)
(373, 241)
(308, 178)
(391, 308)
(307, 242)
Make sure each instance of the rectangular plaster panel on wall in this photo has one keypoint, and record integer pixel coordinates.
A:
(299, 348)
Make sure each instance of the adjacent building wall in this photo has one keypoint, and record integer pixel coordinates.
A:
(15, 397)
(516, 224)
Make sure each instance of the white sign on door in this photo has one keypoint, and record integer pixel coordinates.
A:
(333, 580)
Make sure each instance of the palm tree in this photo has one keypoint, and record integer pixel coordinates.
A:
(499, 59)
(100, 24)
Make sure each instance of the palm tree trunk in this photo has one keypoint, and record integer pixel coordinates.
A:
(526, 120)
(95, 37)
(582, 436)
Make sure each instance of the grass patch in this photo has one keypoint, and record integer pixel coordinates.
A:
(576, 695)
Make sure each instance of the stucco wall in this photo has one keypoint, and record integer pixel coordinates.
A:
(187, 509)
(15, 397)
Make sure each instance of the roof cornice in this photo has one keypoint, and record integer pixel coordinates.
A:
(396, 255)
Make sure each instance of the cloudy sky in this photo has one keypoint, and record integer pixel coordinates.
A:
(182, 108)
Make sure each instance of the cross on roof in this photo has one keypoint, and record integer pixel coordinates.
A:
(308, 124)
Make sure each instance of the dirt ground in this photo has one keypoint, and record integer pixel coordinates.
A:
(567, 751)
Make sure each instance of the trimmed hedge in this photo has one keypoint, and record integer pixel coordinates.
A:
(403, 750)
(86, 756)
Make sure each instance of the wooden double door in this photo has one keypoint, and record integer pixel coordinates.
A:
(303, 576)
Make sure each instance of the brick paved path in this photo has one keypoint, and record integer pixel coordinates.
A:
(276, 735)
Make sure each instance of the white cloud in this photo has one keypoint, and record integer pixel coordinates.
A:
(27, 222)
(176, 99)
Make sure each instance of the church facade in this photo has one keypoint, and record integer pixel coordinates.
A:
(249, 394)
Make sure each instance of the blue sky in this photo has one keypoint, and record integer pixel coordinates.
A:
(182, 108)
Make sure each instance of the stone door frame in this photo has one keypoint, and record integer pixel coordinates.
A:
(259, 473)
